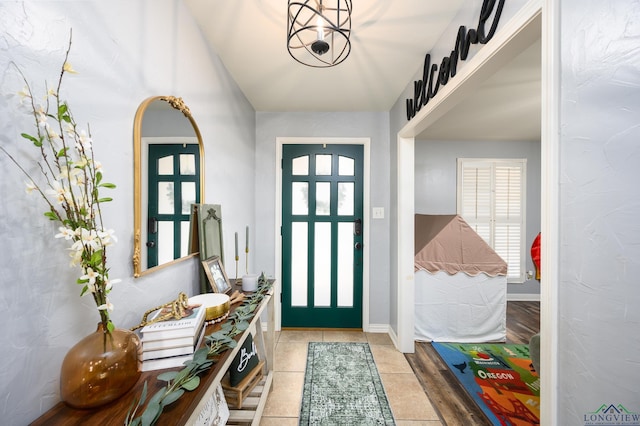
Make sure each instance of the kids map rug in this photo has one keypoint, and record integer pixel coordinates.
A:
(498, 377)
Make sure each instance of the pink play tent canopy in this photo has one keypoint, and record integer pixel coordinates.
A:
(448, 243)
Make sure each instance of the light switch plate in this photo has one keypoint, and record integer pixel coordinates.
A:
(378, 212)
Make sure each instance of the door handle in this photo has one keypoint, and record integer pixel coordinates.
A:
(152, 225)
(357, 227)
(358, 246)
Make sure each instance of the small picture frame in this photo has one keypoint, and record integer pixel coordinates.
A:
(214, 270)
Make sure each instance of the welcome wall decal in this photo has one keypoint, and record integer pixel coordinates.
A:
(433, 76)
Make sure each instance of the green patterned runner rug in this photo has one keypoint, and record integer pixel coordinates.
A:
(342, 387)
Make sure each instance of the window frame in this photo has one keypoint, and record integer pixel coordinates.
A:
(493, 220)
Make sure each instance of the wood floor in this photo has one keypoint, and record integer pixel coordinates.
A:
(450, 400)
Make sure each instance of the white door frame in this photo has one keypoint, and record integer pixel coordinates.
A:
(366, 143)
(508, 41)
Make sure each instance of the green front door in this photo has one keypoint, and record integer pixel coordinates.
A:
(174, 184)
(322, 236)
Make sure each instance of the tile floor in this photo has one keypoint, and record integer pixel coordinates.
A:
(409, 404)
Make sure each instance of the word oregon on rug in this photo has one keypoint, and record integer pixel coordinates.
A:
(499, 378)
(342, 387)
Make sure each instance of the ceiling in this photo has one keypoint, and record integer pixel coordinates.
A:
(388, 43)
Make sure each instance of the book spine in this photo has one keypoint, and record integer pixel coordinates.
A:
(162, 363)
(174, 329)
(154, 345)
(169, 334)
(166, 353)
(189, 348)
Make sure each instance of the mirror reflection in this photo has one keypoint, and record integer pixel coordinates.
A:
(169, 176)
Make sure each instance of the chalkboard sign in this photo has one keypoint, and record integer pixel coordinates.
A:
(244, 362)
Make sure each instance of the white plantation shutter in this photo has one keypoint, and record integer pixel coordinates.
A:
(491, 195)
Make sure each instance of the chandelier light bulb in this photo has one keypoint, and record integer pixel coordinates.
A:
(319, 24)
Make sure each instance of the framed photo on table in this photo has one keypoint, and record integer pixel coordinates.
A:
(214, 270)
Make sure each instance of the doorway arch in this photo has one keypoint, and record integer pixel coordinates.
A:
(524, 28)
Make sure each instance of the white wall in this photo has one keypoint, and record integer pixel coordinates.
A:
(599, 254)
(124, 52)
(596, 358)
(269, 126)
(436, 179)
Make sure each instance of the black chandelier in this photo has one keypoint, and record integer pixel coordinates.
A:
(318, 31)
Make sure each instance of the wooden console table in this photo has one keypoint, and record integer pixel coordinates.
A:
(187, 409)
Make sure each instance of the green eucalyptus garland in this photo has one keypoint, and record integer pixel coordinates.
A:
(188, 379)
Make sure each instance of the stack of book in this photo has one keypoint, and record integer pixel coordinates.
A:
(168, 344)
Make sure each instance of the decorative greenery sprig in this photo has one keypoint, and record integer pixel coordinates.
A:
(177, 382)
(70, 181)
(188, 378)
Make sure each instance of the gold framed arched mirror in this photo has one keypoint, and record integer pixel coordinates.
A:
(168, 156)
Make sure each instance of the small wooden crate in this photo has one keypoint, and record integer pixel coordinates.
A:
(236, 394)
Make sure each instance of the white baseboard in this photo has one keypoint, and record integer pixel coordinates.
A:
(523, 297)
(386, 329)
(379, 328)
(394, 337)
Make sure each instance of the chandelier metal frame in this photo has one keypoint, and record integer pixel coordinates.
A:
(319, 31)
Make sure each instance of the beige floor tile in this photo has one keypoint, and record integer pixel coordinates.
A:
(300, 336)
(379, 339)
(291, 356)
(409, 404)
(344, 336)
(278, 421)
(389, 360)
(285, 396)
(406, 397)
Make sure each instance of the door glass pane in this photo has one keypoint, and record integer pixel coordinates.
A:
(345, 264)
(165, 198)
(300, 166)
(184, 238)
(346, 166)
(300, 198)
(165, 165)
(165, 242)
(345, 198)
(323, 198)
(188, 196)
(322, 265)
(323, 164)
(299, 267)
(187, 164)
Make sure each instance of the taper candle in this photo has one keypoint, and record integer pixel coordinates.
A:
(236, 246)
(247, 246)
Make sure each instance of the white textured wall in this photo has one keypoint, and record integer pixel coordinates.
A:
(597, 331)
(125, 52)
(599, 292)
(269, 126)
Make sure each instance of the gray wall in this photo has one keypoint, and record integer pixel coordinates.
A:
(436, 179)
(599, 259)
(375, 126)
(124, 52)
